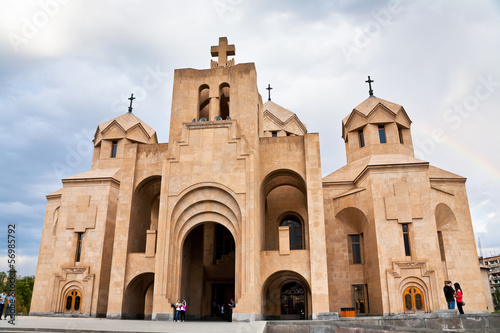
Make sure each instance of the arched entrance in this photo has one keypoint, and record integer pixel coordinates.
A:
(286, 296)
(413, 300)
(208, 270)
(293, 301)
(138, 300)
(73, 301)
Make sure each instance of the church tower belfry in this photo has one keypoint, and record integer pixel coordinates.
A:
(225, 92)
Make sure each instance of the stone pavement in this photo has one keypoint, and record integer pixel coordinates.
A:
(94, 325)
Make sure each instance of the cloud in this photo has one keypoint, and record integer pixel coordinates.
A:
(77, 69)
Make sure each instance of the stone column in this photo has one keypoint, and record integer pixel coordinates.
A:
(315, 210)
(119, 262)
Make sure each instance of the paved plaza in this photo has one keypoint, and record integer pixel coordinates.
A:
(57, 324)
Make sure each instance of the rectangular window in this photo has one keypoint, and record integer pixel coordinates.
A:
(400, 132)
(441, 246)
(406, 239)
(79, 246)
(361, 139)
(381, 133)
(356, 249)
(114, 149)
(359, 298)
(274, 134)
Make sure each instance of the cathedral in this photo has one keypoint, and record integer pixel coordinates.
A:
(235, 206)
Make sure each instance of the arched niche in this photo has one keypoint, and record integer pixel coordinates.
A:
(224, 100)
(144, 213)
(282, 192)
(203, 101)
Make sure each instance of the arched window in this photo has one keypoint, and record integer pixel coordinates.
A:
(203, 102)
(292, 299)
(413, 299)
(295, 231)
(224, 99)
(73, 300)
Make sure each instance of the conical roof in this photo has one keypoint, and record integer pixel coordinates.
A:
(370, 104)
(127, 123)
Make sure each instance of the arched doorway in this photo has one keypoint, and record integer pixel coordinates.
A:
(293, 301)
(73, 301)
(286, 296)
(208, 270)
(138, 298)
(413, 300)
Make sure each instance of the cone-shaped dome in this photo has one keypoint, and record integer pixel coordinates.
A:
(280, 120)
(127, 126)
(377, 127)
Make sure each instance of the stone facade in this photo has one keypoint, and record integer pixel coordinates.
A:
(234, 206)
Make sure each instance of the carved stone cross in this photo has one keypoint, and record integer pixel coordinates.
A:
(222, 51)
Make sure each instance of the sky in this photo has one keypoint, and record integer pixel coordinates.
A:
(67, 66)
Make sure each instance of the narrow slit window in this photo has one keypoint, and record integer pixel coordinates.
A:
(441, 246)
(381, 133)
(79, 246)
(114, 148)
(400, 132)
(406, 239)
(361, 138)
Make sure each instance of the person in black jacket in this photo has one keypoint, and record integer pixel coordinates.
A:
(449, 293)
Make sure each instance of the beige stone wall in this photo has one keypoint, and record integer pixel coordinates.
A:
(89, 210)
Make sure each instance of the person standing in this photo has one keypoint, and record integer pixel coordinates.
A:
(459, 295)
(178, 305)
(3, 298)
(449, 294)
(230, 307)
(11, 303)
(183, 310)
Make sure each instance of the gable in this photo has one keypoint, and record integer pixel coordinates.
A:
(137, 134)
(381, 115)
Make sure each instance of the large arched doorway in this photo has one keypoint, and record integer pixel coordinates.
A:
(138, 300)
(208, 270)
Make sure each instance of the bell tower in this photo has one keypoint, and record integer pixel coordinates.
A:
(225, 92)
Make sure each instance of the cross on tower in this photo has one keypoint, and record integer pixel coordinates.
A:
(369, 81)
(269, 90)
(222, 51)
(131, 99)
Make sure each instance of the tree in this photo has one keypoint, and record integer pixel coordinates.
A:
(24, 291)
(496, 299)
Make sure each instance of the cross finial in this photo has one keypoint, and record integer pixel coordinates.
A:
(131, 99)
(369, 81)
(269, 90)
(222, 51)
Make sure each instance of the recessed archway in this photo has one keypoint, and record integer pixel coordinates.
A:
(138, 297)
(286, 296)
(208, 270)
(283, 193)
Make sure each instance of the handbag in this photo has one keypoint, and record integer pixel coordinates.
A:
(463, 303)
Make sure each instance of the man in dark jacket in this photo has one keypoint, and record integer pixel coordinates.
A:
(449, 293)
